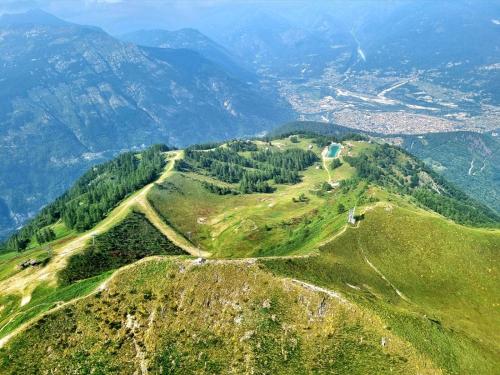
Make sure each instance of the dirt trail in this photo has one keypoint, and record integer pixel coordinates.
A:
(145, 207)
(378, 272)
(325, 166)
(24, 282)
(370, 264)
(316, 288)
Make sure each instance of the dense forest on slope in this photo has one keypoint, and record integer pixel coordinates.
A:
(252, 172)
(95, 193)
(393, 168)
(315, 128)
(133, 239)
(469, 160)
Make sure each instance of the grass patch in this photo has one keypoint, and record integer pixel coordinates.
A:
(251, 225)
(256, 224)
(43, 299)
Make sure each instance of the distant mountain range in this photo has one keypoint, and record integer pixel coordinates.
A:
(194, 40)
(71, 95)
(456, 41)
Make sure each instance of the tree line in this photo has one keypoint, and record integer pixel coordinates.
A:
(397, 170)
(94, 194)
(253, 173)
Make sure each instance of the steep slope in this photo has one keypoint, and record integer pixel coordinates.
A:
(434, 283)
(94, 195)
(72, 95)
(470, 160)
(179, 317)
(190, 39)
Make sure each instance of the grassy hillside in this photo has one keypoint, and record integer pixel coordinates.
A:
(123, 236)
(433, 282)
(132, 239)
(176, 317)
(45, 297)
(407, 290)
(293, 219)
(205, 201)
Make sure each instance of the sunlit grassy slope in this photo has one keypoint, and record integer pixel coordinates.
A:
(258, 224)
(446, 274)
(174, 317)
(407, 290)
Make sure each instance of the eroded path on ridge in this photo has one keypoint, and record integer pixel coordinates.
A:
(140, 201)
(324, 157)
(25, 281)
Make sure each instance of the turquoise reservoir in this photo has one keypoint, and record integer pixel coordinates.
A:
(333, 150)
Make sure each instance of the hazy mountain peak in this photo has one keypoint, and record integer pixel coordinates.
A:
(31, 17)
(182, 38)
(193, 39)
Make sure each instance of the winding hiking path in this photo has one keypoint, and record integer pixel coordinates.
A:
(378, 272)
(316, 288)
(25, 281)
(145, 207)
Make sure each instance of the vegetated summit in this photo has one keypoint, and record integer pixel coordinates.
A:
(287, 285)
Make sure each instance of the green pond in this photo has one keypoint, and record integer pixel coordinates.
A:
(333, 150)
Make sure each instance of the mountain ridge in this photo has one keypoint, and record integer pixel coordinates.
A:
(193, 39)
(292, 233)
